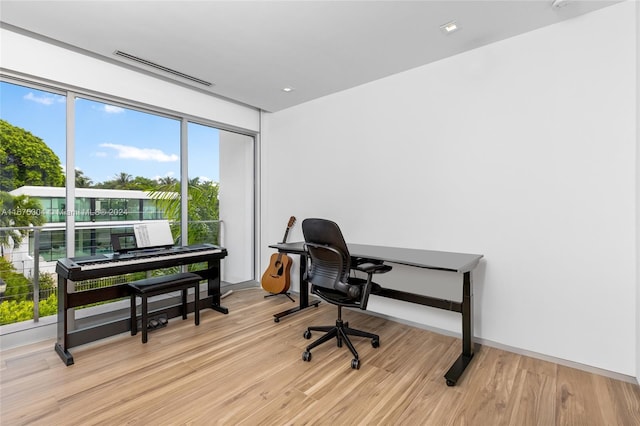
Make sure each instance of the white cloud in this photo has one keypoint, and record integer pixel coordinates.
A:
(100, 154)
(144, 154)
(43, 100)
(110, 109)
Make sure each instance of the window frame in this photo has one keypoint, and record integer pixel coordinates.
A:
(71, 93)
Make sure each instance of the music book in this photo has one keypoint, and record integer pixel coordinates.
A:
(153, 234)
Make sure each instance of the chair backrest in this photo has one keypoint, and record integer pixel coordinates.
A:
(330, 259)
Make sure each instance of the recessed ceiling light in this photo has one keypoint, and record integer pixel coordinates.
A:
(287, 89)
(449, 27)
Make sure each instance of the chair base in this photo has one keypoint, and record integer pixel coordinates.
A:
(341, 331)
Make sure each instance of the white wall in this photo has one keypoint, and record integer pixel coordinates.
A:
(523, 150)
(237, 206)
(31, 57)
(638, 189)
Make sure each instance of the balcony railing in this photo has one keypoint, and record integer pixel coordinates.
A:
(28, 282)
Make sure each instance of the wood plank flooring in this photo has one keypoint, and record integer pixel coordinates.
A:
(244, 369)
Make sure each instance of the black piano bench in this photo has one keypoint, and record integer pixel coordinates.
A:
(155, 286)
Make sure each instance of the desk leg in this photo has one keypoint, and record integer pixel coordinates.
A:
(304, 293)
(465, 357)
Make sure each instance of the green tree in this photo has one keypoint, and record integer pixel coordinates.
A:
(17, 284)
(123, 179)
(82, 180)
(15, 311)
(26, 160)
(167, 180)
(202, 206)
(143, 184)
(120, 181)
(48, 284)
(19, 211)
(126, 181)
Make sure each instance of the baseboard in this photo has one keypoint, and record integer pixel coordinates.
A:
(46, 329)
(518, 351)
(559, 361)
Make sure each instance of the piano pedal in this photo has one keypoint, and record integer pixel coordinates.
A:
(155, 322)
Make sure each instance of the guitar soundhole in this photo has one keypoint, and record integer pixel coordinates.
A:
(279, 269)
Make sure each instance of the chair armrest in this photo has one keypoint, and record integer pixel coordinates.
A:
(372, 268)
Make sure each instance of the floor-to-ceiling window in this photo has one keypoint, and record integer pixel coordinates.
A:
(127, 168)
(32, 157)
(123, 156)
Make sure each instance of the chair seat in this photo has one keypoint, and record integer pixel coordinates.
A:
(164, 282)
(337, 297)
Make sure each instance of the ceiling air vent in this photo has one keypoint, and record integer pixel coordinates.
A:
(161, 68)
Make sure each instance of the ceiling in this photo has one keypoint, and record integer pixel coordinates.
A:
(251, 50)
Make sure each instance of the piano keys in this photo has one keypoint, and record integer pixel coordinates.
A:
(104, 265)
(107, 265)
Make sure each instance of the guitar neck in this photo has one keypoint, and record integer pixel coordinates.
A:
(286, 234)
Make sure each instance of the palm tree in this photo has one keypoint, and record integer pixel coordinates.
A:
(82, 181)
(122, 180)
(167, 181)
(202, 207)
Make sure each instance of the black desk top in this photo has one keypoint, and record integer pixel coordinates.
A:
(430, 259)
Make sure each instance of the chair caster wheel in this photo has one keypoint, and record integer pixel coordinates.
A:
(276, 320)
(355, 364)
(306, 356)
(450, 383)
(307, 335)
(375, 343)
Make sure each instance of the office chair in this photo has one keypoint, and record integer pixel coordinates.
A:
(329, 273)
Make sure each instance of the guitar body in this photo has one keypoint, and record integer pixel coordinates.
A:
(276, 279)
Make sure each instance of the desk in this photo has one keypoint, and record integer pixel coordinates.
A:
(461, 263)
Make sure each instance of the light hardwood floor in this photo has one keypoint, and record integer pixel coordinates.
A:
(242, 368)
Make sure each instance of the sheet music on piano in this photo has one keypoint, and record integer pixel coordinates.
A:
(153, 234)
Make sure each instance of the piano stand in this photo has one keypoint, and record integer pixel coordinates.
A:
(65, 355)
(162, 285)
(72, 270)
(220, 309)
(213, 273)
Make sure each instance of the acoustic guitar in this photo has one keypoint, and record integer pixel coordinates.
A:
(276, 278)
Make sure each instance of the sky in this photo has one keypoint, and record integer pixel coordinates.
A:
(109, 139)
